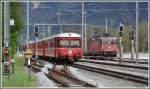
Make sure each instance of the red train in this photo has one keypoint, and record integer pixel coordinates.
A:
(65, 47)
(102, 46)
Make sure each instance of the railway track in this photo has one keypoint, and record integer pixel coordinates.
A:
(116, 59)
(36, 68)
(143, 67)
(66, 79)
(119, 74)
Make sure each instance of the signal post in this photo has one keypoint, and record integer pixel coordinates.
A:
(120, 42)
(28, 54)
(132, 36)
(36, 38)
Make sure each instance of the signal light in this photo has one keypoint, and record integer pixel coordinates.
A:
(132, 35)
(36, 31)
(121, 31)
(105, 35)
(121, 28)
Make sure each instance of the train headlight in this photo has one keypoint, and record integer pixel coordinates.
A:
(70, 52)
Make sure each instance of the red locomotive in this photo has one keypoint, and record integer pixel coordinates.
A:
(102, 46)
(65, 47)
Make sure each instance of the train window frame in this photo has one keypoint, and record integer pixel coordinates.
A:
(79, 44)
(106, 38)
(113, 40)
(109, 40)
(65, 46)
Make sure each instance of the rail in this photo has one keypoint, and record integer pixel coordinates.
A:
(69, 80)
(129, 76)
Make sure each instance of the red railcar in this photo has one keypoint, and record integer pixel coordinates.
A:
(61, 47)
(103, 46)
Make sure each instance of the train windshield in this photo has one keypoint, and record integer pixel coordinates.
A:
(69, 43)
(75, 44)
(64, 43)
(107, 40)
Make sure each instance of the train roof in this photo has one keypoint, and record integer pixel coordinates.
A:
(60, 35)
(107, 37)
(67, 35)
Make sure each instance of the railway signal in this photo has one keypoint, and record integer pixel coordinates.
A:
(36, 38)
(28, 54)
(121, 28)
(132, 36)
(105, 35)
(36, 31)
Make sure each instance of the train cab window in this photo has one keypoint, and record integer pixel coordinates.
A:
(107, 40)
(75, 44)
(100, 41)
(104, 41)
(64, 43)
(113, 41)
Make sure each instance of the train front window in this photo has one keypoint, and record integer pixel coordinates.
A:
(75, 44)
(108, 41)
(105, 41)
(64, 43)
(113, 41)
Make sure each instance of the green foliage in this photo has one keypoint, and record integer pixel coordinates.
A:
(126, 40)
(143, 37)
(16, 13)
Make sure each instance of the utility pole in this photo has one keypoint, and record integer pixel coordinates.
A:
(49, 31)
(27, 25)
(6, 38)
(137, 33)
(59, 21)
(85, 32)
(106, 26)
(6, 24)
(149, 28)
(83, 26)
(120, 43)
(43, 31)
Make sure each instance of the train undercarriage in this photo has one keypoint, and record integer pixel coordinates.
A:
(101, 53)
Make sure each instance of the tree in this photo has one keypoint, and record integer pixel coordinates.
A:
(16, 13)
(143, 37)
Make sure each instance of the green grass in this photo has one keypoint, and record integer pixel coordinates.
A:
(20, 78)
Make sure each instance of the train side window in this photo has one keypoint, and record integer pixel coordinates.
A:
(51, 43)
